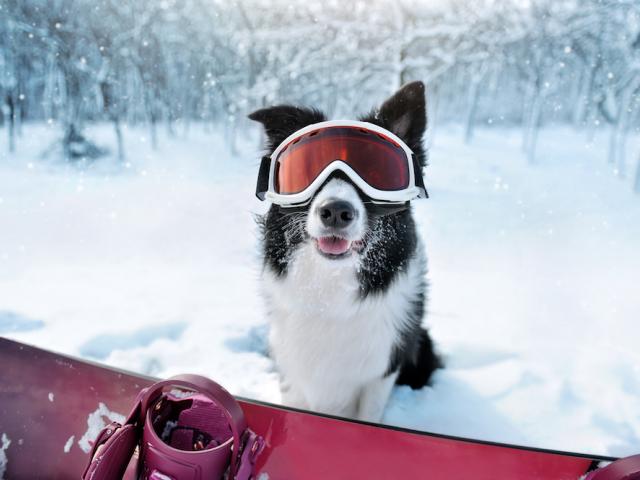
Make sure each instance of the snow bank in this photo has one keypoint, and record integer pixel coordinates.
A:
(533, 278)
(3, 454)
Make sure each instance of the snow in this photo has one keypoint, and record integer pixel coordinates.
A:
(69, 444)
(95, 423)
(154, 267)
(10, 322)
(3, 454)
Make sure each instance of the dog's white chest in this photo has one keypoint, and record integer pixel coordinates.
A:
(324, 338)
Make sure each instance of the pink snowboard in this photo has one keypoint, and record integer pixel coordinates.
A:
(52, 406)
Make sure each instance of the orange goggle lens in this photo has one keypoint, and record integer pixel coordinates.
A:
(380, 161)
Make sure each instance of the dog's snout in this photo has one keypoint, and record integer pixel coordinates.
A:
(337, 213)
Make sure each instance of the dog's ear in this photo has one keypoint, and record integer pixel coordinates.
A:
(281, 121)
(405, 114)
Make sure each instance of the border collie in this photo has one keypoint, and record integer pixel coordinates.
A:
(346, 328)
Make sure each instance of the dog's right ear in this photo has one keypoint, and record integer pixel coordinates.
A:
(405, 114)
(281, 121)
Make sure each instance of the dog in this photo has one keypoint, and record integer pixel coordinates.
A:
(344, 329)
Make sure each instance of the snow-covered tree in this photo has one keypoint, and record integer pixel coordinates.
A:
(168, 63)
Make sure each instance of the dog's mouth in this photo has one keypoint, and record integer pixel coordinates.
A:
(337, 247)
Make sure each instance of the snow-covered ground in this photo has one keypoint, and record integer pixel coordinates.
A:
(534, 299)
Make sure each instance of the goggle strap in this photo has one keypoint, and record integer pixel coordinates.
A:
(382, 210)
(417, 173)
(263, 177)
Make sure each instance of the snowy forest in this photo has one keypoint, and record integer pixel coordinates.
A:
(168, 63)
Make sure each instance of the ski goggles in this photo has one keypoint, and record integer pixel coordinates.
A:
(377, 161)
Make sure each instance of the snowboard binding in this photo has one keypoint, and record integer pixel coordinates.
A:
(193, 433)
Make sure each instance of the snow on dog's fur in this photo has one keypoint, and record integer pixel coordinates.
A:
(346, 301)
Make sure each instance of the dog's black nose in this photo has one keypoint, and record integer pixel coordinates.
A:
(337, 213)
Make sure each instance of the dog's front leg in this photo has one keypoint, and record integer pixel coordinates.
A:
(292, 397)
(374, 397)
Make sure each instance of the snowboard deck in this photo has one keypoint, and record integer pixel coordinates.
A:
(51, 405)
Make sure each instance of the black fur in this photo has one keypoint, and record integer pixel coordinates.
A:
(280, 236)
(393, 237)
(393, 244)
(282, 120)
(405, 114)
(418, 361)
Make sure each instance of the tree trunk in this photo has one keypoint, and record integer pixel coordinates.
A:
(186, 126)
(581, 111)
(533, 137)
(622, 127)
(72, 111)
(621, 155)
(18, 117)
(471, 111)
(171, 130)
(118, 131)
(636, 184)
(70, 135)
(533, 127)
(611, 151)
(153, 130)
(152, 115)
(232, 128)
(528, 100)
(433, 100)
(10, 114)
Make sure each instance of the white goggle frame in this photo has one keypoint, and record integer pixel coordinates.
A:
(377, 196)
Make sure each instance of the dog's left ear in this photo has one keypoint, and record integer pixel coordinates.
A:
(281, 121)
(405, 114)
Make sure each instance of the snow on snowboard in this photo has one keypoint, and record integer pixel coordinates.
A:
(52, 407)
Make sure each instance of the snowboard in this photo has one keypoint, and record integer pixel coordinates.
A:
(52, 406)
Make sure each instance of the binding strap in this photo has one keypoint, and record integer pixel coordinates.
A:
(624, 469)
(216, 394)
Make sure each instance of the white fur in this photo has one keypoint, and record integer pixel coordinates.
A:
(332, 348)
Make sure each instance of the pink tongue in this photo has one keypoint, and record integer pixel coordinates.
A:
(333, 245)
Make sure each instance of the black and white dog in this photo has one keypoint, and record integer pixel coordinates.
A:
(346, 328)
